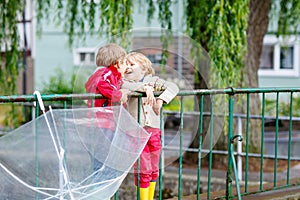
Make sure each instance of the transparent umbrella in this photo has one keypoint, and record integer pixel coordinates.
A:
(67, 154)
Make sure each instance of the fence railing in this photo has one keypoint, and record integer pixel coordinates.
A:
(239, 182)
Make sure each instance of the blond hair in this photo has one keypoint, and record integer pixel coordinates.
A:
(110, 54)
(142, 60)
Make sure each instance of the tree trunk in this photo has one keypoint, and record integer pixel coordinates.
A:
(257, 28)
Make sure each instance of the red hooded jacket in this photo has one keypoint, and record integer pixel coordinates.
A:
(106, 81)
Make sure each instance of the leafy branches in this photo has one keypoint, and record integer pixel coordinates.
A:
(11, 11)
(227, 45)
(9, 39)
(80, 18)
(165, 19)
(288, 14)
(220, 27)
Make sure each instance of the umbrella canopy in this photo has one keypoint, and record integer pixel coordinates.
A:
(70, 154)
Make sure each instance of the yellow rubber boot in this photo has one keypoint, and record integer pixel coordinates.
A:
(144, 193)
(152, 190)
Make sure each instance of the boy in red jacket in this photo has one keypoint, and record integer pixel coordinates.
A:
(107, 79)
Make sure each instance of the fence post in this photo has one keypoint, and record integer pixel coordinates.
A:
(37, 109)
(239, 150)
(229, 136)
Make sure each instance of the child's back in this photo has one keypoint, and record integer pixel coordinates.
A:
(107, 80)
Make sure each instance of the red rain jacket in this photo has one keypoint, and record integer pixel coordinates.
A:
(106, 81)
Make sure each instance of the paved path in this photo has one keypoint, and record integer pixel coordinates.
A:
(290, 193)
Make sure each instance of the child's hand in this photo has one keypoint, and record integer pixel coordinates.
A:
(150, 95)
(157, 106)
(124, 97)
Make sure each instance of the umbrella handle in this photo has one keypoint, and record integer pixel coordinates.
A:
(39, 98)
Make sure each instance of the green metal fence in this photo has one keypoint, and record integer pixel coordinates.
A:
(239, 129)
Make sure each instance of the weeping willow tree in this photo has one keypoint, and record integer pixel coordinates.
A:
(10, 12)
(231, 31)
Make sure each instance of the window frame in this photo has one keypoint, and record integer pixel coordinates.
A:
(278, 42)
(87, 51)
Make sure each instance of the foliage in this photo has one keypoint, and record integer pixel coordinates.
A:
(10, 12)
(220, 27)
(165, 18)
(286, 13)
(9, 40)
(13, 115)
(174, 105)
(283, 108)
(58, 84)
(79, 18)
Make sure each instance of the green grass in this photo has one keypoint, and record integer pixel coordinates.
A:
(174, 105)
(283, 108)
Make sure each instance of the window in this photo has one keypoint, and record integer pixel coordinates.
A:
(267, 57)
(84, 56)
(155, 58)
(92, 57)
(279, 57)
(287, 58)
